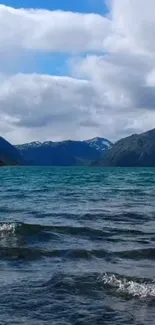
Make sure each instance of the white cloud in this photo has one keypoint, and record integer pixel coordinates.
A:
(121, 79)
(43, 107)
(133, 25)
(130, 26)
(43, 30)
(60, 106)
(111, 94)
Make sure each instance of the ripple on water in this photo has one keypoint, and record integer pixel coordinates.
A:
(77, 246)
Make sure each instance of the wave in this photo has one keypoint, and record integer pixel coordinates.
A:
(94, 215)
(19, 228)
(27, 228)
(140, 289)
(32, 229)
(67, 253)
(128, 216)
(15, 237)
(25, 253)
(137, 254)
(7, 228)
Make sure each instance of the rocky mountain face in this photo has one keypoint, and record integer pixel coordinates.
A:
(9, 155)
(100, 144)
(65, 153)
(137, 150)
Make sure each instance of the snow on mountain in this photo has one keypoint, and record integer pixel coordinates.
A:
(100, 144)
(34, 144)
(63, 153)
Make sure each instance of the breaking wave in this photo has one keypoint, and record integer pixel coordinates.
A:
(135, 288)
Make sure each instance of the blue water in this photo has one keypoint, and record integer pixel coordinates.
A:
(77, 246)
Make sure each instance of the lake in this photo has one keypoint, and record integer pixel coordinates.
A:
(77, 246)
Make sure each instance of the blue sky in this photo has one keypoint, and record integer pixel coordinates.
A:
(53, 63)
(75, 70)
(97, 6)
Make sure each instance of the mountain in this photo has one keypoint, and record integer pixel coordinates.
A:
(100, 144)
(65, 153)
(137, 150)
(9, 155)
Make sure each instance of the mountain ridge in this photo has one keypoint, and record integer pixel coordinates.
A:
(9, 155)
(63, 153)
(136, 150)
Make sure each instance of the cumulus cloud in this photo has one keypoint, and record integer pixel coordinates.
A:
(45, 107)
(43, 30)
(110, 93)
(130, 26)
(133, 26)
(44, 102)
(122, 80)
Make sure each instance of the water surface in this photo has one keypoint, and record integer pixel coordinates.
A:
(77, 246)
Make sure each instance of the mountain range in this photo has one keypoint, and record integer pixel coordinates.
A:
(9, 155)
(64, 153)
(137, 150)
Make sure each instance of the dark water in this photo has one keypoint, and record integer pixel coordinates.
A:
(77, 246)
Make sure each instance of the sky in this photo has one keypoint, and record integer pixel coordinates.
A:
(76, 69)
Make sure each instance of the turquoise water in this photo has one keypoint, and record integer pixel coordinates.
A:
(77, 246)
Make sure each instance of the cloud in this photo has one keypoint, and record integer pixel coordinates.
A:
(133, 25)
(129, 26)
(122, 80)
(44, 107)
(109, 93)
(44, 30)
(40, 102)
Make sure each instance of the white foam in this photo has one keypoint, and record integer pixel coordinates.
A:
(7, 227)
(130, 287)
